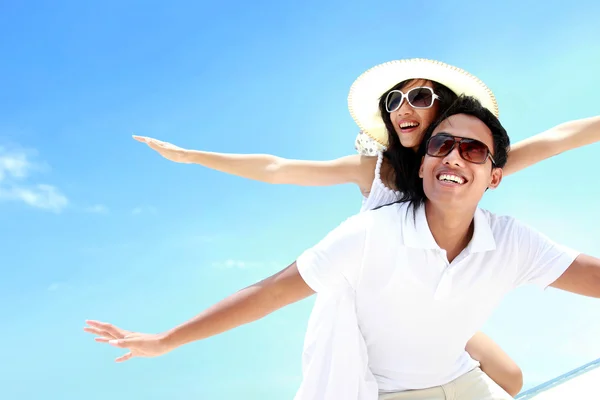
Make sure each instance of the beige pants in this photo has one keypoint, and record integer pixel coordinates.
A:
(474, 385)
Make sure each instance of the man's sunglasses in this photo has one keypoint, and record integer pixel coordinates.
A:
(419, 97)
(470, 150)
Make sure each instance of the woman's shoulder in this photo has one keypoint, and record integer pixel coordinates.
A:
(387, 174)
(368, 166)
(376, 171)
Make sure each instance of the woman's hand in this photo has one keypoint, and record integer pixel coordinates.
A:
(165, 149)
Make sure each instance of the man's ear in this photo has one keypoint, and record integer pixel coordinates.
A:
(496, 178)
(421, 168)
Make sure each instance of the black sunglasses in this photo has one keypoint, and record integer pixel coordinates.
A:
(470, 150)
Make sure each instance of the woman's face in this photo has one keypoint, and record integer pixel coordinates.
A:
(411, 123)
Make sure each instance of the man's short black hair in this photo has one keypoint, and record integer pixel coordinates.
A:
(471, 106)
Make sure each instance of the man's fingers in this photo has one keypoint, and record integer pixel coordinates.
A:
(99, 332)
(106, 327)
(102, 339)
(123, 343)
(124, 357)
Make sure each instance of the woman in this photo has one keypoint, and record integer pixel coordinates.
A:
(392, 127)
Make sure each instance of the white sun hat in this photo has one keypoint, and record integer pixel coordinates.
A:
(367, 89)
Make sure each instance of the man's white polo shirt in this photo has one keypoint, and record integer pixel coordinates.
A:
(415, 310)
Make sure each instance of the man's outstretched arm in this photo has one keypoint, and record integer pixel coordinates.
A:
(247, 305)
(582, 277)
(329, 266)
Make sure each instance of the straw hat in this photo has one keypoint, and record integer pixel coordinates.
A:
(363, 99)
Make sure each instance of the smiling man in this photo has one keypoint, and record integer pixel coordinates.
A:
(415, 280)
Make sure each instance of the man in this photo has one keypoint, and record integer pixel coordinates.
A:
(421, 277)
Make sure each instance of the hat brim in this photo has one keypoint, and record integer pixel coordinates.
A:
(363, 99)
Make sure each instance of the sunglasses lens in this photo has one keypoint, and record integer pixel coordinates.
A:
(474, 151)
(440, 145)
(394, 100)
(420, 97)
(470, 149)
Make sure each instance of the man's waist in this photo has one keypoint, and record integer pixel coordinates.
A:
(423, 375)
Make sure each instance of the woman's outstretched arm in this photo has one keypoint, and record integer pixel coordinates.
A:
(567, 136)
(272, 169)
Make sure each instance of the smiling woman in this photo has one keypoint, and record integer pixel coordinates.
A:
(394, 104)
(420, 95)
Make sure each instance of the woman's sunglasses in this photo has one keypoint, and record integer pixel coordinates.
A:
(470, 150)
(419, 97)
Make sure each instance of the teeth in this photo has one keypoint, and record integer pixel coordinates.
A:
(408, 124)
(451, 178)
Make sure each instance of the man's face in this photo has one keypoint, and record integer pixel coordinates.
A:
(453, 181)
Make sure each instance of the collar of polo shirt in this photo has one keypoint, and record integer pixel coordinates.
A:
(418, 235)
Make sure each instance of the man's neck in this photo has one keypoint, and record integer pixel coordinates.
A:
(451, 227)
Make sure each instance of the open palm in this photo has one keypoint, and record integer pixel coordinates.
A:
(138, 344)
(165, 149)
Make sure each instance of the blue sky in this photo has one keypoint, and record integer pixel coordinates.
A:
(95, 225)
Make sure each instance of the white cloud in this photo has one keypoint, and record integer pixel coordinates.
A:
(144, 210)
(46, 197)
(97, 209)
(15, 165)
(15, 168)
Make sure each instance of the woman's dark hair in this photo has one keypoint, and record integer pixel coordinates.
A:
(405, 162)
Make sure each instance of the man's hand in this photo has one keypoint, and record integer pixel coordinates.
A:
(138, 344)
(167, 150)
(244, 306)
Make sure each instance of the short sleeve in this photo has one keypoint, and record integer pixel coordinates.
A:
(334, 263)
(541, 260)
